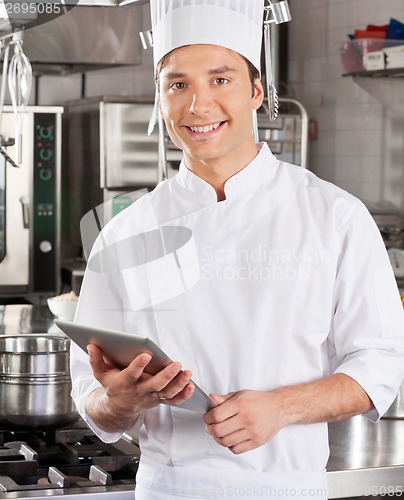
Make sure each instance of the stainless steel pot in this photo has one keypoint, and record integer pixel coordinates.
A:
(35, 382)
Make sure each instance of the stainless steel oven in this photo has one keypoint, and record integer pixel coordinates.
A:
(30, 205)
(107, 156)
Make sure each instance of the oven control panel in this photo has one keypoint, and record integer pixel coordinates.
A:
(45, 199)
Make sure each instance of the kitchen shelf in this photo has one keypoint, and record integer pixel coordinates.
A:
(379, 73)
(381, 85)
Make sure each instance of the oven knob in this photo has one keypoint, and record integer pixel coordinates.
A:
(46, 132)
(45, 154)
(45, 246)
(45, 174)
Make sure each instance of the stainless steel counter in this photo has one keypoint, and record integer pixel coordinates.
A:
(366, 459)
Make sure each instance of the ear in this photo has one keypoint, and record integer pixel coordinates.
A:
(259, 94)
(160, 107)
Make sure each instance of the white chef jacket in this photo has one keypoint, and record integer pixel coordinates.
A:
(294, 284)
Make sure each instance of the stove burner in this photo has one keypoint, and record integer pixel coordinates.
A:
(66, 458)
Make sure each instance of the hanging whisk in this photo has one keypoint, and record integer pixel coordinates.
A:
(5, 48)
(19, 84)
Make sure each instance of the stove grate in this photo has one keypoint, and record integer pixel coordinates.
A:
(65, 460)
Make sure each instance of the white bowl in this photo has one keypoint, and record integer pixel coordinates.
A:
(63, 309)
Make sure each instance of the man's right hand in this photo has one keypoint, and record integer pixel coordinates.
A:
(125, 394)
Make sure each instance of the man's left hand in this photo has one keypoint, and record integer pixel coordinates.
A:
(243, 420)
(247, 419)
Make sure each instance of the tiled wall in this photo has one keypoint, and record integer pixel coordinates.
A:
(360, 145)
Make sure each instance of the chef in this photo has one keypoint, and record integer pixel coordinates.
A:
(283, 306)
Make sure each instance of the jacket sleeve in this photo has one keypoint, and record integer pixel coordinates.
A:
(101, 305)
(367, 334)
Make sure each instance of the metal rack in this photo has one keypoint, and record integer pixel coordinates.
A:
(288, 135)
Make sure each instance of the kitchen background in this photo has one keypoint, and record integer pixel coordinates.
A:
(360, 144)
(357, 142)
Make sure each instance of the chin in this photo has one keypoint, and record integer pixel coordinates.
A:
(201, 157)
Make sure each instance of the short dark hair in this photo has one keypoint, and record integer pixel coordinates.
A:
(253, 72)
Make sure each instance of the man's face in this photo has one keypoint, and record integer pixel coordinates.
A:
(206, 101)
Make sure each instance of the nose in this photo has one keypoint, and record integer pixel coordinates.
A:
(201, 103)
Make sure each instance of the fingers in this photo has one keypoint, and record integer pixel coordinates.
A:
(182, 395)
(97, 362)
(171, 388)
(170, 384)
(176, 390)
(217, 399)
(136, 368)
(244, 420)
(222, 422)
(100, 367)
(233, 434)
(222, 429)
(233, 439)
(226, 408)
(221, 399)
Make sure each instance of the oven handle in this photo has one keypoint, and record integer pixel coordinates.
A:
(25, 211)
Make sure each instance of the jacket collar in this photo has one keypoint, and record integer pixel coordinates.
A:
(247, 179)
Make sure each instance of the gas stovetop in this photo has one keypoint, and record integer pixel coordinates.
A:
(70, 461)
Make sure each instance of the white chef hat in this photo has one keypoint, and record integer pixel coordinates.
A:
(234, 24)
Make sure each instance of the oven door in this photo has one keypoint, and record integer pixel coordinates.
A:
(15, 185)
(128, 156)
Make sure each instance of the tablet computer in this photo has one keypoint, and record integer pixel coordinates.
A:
(120, 348)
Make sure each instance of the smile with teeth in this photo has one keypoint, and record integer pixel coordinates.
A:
(206, 128)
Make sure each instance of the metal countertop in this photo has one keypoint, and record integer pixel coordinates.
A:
(365, 458)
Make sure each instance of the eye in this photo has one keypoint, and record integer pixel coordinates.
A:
(220, 81)
(177, 86)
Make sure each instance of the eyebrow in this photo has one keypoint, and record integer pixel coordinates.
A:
(213, 71)
(222, 69)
